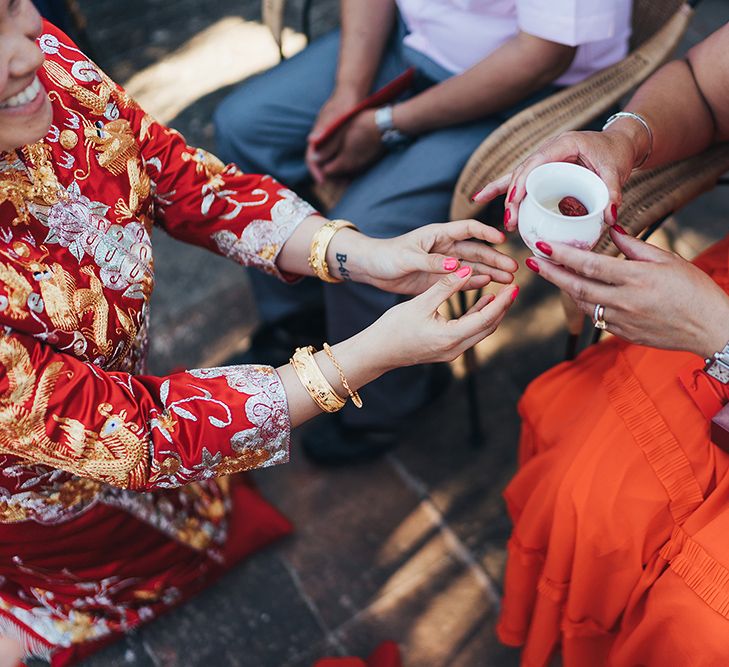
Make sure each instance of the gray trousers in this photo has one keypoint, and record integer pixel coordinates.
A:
(262, 127)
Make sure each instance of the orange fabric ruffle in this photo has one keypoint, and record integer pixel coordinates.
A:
(620, 550)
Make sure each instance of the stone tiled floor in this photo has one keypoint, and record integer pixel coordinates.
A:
(409, 548)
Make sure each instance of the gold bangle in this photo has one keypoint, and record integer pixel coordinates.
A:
(310, 375)
(319, 245)
(352, 394)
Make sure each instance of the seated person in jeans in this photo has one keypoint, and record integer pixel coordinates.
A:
(477, 62)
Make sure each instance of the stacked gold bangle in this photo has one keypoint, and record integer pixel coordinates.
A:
(352, 394)
(319, 245)
(314, 381)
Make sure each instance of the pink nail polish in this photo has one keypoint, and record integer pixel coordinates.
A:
(512, 194)
(544, 248)
(515, 293)
(531, 264)
(614, 211)
(619, 229)
(507, 216)
(464, 272)
(450, 264)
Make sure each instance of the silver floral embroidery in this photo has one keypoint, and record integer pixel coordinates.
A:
(122, 253)
(262, 240)
(266, 408)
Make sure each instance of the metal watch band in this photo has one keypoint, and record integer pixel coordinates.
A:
(717, 366)
(390, 135)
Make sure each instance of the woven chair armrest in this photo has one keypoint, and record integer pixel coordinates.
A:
(272, 13)
(649, 196)
(569, 109)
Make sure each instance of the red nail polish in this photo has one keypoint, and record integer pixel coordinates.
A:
(512, 194)
(515, 293)
(614, 211)
(450, 264)
(463, 272)
(532, 264)
(474, 195)
(544, 248)
(619, 229)
(507, 216)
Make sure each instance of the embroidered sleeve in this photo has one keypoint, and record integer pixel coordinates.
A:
(198, 199)
(138, 432)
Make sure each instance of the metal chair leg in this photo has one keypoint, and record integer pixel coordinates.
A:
(306, 19)
(470, 362)
(571, 348)
(476, 434)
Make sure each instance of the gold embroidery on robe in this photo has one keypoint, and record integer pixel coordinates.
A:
(70, 493)
(96, 102)
(18, 289)
(34, 183)
(118, 151)
(66, 304)
(116, 454)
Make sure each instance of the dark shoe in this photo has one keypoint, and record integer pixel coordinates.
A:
(328, 443)
(273, 344)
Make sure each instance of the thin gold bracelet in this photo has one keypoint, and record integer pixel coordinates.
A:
(352, 394)
(319, 245)
(311, 376)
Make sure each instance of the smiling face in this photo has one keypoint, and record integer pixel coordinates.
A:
(25, 110)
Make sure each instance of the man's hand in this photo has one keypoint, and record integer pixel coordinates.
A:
(343, 99)
(353, 148)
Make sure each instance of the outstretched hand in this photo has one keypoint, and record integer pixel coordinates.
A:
(414, 332)
(411, 263)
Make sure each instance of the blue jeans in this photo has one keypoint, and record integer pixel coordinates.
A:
(263, 125)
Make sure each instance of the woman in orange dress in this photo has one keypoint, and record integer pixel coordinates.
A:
(620, 549)
(117, 494)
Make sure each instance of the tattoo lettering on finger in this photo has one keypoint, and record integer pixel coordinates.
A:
(343, 270)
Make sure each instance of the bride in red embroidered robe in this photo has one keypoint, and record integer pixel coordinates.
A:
(115, 503)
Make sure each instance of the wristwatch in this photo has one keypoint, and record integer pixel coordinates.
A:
(391, 137)
(718, 365)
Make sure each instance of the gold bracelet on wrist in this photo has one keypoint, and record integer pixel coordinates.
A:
(319, 245)
(352, 394)
(311, 376)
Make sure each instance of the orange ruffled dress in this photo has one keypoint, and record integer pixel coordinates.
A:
(620, 550)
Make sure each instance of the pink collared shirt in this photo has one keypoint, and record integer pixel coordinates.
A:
(457, 34)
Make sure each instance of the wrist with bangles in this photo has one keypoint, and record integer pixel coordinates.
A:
(638, 119)
(315, 382)
(319, 246)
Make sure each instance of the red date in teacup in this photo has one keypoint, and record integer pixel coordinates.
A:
(572, 207)
(564, 204)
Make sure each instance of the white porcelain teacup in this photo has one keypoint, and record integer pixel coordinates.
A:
(539, 215)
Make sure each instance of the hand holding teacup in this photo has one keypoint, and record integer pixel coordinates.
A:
(609, 154)
(564, 203)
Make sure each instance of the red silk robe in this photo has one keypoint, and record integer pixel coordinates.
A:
(84, 555)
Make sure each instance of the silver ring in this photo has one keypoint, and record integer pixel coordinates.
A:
(598, 317)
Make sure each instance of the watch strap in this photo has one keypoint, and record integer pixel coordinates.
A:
(391, 137)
